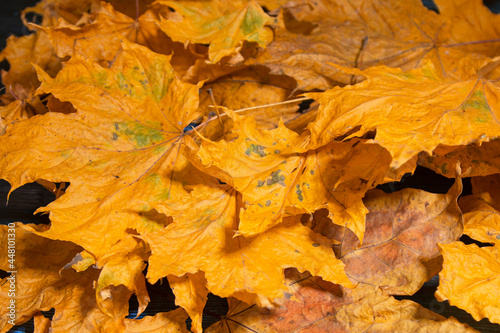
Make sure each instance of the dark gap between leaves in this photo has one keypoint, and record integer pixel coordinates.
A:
(422, 179)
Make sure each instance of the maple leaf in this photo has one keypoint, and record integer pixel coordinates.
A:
(249, 89)
(42, 284)
(319, 306)
(52, 11)
(128, 132)
(469, 276)
(482, 221)
(474, 25)
(21, 52)
(123, 266)
(249, 268)
(275, 173)
(172, 321)
(399, 252)
(470, 272)
(191, 294)
(221, 24)
(107, 27)
(361, 34)
(426, 110)
(278, 176)
(21, 81)
(477, 160)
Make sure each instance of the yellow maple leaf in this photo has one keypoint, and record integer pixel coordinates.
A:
(19, 101)
(51, 11)
(474, 25)
(278, 176)
(100, 39)
(362, 34)
(123, 266)
(482, 221)
(470, 273)
(42, 283)
(470, 279)
(476, 160)
(167, 322)
(21, 52)
(221, 24)
(128, 132)
(191, 294)
(425, 111)
(249, 268)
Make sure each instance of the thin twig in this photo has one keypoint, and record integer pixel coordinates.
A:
(250, 108)
(268, 105)
(473, 42)
(210, 92)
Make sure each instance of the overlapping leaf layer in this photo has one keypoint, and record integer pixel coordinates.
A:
(235, 148)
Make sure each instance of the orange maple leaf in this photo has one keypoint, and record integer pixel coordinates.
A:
(129, 135)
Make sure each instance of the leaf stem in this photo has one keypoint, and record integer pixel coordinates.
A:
(136, 10)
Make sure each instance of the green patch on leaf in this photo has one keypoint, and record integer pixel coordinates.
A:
(253, 21)
(124, 85)
(256, 149)
(276, 178)
(142, 135)
(298, 191)
(478, 102)
(158, 186)
(100, 79)
(160, 77)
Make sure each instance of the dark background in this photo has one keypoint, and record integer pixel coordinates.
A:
(25, 200)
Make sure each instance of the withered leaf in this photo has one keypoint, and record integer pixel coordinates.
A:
(399, 252)
(316, 306)
(107, 27)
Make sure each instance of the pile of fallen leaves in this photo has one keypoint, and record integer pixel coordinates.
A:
(234, 147)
